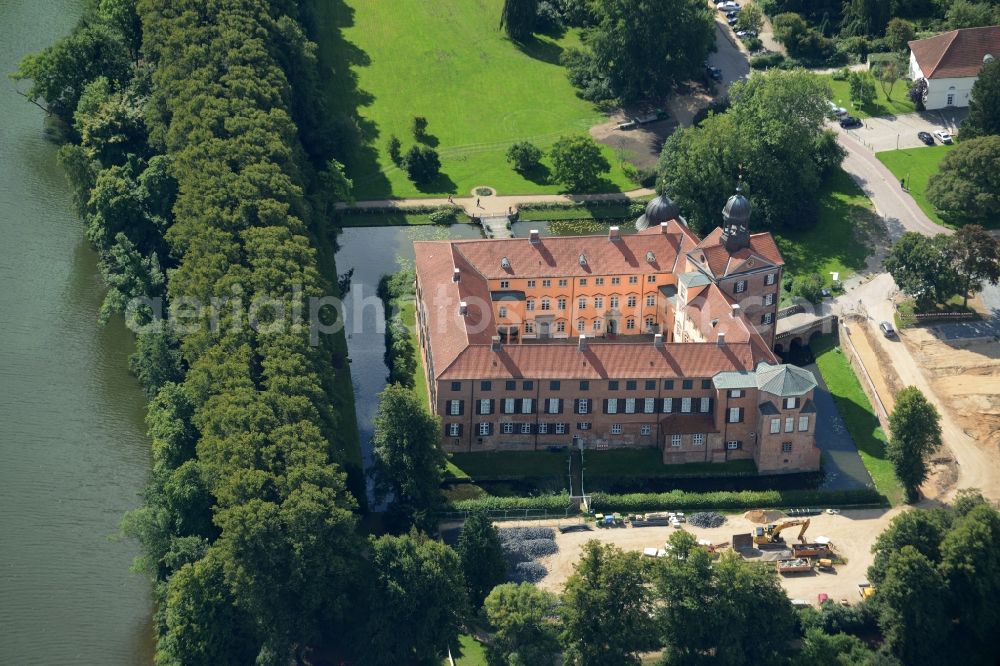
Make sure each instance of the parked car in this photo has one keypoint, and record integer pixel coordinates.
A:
(837, 111)
(729, 7)
(926, 138)
(944, 136)
(733, 21)
(714, 72)
(745, 34)
(628, 125)
(887, 329)
(850, 122)
(733, 14)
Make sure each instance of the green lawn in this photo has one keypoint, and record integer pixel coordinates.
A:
(511, 464)
(842, 238)
(917, 165)
(469, 652)
(648, 463)
(899, 104)
(448, 61)
(855, 408)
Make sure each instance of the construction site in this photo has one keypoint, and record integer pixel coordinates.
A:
(819, 556)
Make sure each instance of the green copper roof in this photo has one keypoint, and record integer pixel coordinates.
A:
(735, 380)
(693, 279)
(784, 380)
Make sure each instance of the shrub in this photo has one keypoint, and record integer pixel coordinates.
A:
(810, 287)
(524, 155)
(841, 74)
(636, 208)
(767, 61)
(548, 20)
(395, 150)
(422, 164)
(753, 44)
(419, 127)
(542, 502)
(743, 499)
(444, 216)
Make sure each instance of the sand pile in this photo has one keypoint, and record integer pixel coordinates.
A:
(764, 515)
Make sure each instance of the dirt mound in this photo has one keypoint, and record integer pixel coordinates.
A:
(764, 516)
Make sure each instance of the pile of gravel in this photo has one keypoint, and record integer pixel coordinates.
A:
(525, 533)
(706, 519)
(529, 549)
(527, 572)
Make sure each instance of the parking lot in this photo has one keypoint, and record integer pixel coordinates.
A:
(896, 132)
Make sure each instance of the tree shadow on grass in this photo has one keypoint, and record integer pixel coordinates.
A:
(538, 174)
(440, 184)
(540, 49)
(429, 140)
(355, 137)
(599, 186)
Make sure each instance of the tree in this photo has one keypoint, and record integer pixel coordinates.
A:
(121, 15)
(518, 18)
(923, 268)
(416, 600)
(335, 186)
(130, 275)
(898, 33)
(408, 461)
(888, 73)
(422, 164)
(810, 287)
(967, 184)
(606, 609)
(524, 155)
(419, 127)
(922, 530)
(862, 89)
(646, 47)
(984, 105)
(865, 17)
(578, 163)
(482, 556)
(60, 73)
(977, 258)
(965, 14)
(751, 18)
(524, 632)
(802, 40)
(913, 599)
(774, 134)
(916, 434)
(822, 649)
(918, 94)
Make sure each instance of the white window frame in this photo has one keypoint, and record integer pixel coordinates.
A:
(734, 415)
(581, 325)
(614, 302)
(733, 445)
(612, 405)
(630, 324)
(790, 403)
(668, 405)
(633, 279)
(675, 441)
(599, 302)
(741, 286)
(560, 428)
(630, 302)
(553, 406)
(583, 406)
(546, 283)
(736, 393)
(505, 284)
(630, 405)
(484, 429)
(597, 325)
(531, 284)
(508, 428)
(529, 327)
(786, 447)
(509, 406)
(651, 300)
(775, 426)
(769, 299)
(454, 429)
(581, 303)
(767, 318)
(769, 279)
(529, 305)
(790, 424)
(560, 327)
(803, 423)
(484, 406)
(616, 428)
(645, 430)
(649, 406)
(563, 282)
(525, 428)
(616, 280)
(527, 404)
(698, 439)
(560, 303)
(685, 405)
(543, 428)
(503, 312)
(546, 303)
(705, 402)
(454, 407)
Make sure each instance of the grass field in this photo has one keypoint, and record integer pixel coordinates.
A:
(469, 652)
(842, 238)
(448, 61)
(899, 104)
(917, 165)
(858, 414)
(648, 463)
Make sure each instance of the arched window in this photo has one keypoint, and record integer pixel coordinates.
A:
(546, 303)
(530, 305)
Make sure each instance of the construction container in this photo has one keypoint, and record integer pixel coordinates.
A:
(810, 549)
(795, 565)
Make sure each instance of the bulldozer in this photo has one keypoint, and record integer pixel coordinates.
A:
(771, 534)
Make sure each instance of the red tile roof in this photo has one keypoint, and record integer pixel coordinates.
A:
(712, 254)
(600, 360)
(956, 54)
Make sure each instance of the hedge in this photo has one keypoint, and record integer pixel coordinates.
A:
(558, 502)
(743, 499)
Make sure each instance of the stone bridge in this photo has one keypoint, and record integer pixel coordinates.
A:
(799, 329)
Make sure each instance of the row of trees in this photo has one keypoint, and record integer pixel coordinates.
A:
(932, 269)
(773, 134)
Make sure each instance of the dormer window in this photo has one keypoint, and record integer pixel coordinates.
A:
(583, 260)
(651, 257)
(505, 263)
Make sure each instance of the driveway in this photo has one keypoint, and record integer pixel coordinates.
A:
(898, 132)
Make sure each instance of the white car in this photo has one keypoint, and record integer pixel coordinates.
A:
(838, 111)
(728, 6)
(943, 136)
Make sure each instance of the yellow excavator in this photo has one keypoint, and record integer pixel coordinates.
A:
(772, 533)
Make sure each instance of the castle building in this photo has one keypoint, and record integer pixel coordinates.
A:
(653, 339)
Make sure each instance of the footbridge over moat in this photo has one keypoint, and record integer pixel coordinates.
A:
(798, 329)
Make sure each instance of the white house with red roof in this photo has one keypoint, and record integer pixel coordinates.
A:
(950, 63)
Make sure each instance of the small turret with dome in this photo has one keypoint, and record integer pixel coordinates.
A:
(736, 216)
(660, 209)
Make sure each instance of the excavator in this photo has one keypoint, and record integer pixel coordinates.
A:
(772, 533)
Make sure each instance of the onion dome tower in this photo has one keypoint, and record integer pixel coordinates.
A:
(736, 217)
(659, 210)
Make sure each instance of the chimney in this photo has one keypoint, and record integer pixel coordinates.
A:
(463, 308)
(722, 339)
(456, 275)
(664, 227)
(735, 311)
(533, 237)
(614, 234)
(582, 345)
(495, 344)
(658, 340)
